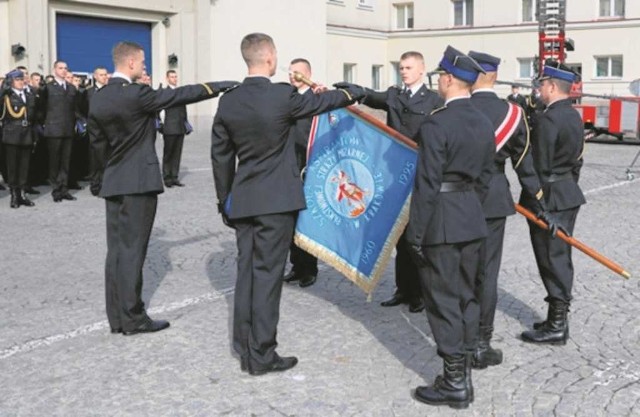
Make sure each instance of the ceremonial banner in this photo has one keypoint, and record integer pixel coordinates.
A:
(358, 185)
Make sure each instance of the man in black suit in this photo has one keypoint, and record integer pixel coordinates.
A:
(447, 226)
(60, 103)
(407, 108)
(261, 195)
(304, 265)
(100, 79)
(512, 142)
(516, 97)
(38, 164)
(121, 127)
(558, 145)
(174, 128)
(17, 111)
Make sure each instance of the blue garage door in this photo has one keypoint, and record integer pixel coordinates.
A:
(86, 42)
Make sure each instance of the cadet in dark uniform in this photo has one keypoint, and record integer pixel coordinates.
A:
(512, 141)
(261, 195)
(406, 107)
(173, 131)
(516, 97)
(17, 112)
(121, 128)
(558, 144)
(60, 102)
(446, 224)
(304, 265)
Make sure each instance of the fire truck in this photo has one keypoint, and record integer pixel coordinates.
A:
(617, 117)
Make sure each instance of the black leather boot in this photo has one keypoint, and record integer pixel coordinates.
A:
(468, 364)
(15, 200)
(555, 330)
(485, 355)
(449, 389)
(23, 200)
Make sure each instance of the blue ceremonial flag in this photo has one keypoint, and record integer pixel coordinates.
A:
(358, 185)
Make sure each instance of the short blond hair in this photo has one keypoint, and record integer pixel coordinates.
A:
(254, 46)
(124, 50)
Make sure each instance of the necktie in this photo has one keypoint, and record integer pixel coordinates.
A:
(24, 99)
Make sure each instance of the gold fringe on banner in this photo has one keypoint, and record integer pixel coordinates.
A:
(367, 284)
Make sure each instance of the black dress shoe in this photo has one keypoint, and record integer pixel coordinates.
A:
(31, 190)
(2, 187)
(148, 326)
(291, 276)
(396, 300)
(57, 198)
(307, 280)
(116, 331)
(278, 365)
(416, 306)
(67, 196)
(168, 184)
(178, 183)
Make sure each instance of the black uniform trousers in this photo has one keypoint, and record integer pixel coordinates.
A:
(79, 163)
(171, 157)
(491, 257)
(17, 164)
(407, 278)
(38, 171)
(448, 285)
(59, 158)
(553, 256)
(303, 263)
(129, 223)
(263, 242)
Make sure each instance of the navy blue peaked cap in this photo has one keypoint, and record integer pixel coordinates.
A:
(16, 73)
(488, 62)
(459, 65)
(555, 69)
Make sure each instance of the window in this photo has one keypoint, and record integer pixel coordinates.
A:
(349, 73)
(376, 71)
(609, 66)
(611, 8)
(395, 73)
(404, 16)
(366, 4)
(525, 67)
(528, 10)
(462, 12)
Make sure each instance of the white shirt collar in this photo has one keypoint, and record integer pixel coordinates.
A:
(117, 74)
(415, 88)
(303, 89)
(60, 81)
(18, 92)
(484, 90)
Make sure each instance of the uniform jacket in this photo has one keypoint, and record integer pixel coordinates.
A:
(519, 99)
(174, 120)
(17, 131)
(253, 124)
(300, 132)
(59, 108)
(558, 143)
(499, 202)
(457, 145)
(404, 114)
(122, 133)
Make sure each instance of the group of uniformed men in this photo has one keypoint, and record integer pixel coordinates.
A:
(44, 138)
(449, 255)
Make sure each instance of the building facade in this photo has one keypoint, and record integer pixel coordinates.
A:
(354, 40)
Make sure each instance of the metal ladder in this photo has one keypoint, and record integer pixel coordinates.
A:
(551, 15)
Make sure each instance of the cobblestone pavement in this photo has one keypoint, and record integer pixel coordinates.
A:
(57, 357)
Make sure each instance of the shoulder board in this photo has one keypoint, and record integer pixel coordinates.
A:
(438, 110)
(233, 88)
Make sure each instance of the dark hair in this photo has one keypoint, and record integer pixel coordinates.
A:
(22, 68)
(301, 61)
(253, 47)
(123, 50)
(35, 74)
(170, 72)
(58, 61)
(563, 86)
